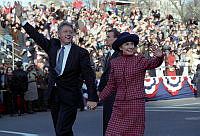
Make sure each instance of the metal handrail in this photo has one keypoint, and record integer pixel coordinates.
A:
(9, 40)
(11, 53)
(3, 53)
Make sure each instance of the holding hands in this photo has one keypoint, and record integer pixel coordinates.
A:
(91, 105)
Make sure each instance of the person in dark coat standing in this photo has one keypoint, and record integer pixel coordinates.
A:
(196, 80)
(127, 79)
(67, 64)
(108, 102)
(11, 105)
(19, 85)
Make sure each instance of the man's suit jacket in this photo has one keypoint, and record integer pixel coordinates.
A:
(77, 65)
(106, 72)
(127, 76)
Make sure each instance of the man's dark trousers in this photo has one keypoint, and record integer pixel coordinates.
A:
(64, 120)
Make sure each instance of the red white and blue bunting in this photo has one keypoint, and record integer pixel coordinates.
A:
(171, 84)
(151, 86)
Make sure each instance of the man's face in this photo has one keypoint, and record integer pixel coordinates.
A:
(110, 39)
(66, 35)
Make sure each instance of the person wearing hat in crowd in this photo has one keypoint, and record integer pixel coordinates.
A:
(108, 103)
(127, 79)
(20, 84)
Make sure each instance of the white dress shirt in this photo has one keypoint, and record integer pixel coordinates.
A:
(111, 52)
(66, 53)
(24, 22)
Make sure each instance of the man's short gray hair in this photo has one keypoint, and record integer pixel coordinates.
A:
(65, 23)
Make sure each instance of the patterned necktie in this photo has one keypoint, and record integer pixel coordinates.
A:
(59, 62)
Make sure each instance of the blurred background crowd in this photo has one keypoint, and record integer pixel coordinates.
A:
(179, 40)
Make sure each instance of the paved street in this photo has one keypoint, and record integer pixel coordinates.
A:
(180, 117)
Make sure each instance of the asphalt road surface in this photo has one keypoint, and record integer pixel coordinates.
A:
(178, 117)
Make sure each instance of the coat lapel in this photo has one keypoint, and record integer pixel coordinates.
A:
(115, 54)
(109, 58)
(53, 53)
(70, 58)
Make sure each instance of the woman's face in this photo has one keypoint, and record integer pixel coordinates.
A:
(128, 48)
(9, 70)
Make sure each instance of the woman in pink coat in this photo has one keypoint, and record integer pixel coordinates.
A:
(127, 78)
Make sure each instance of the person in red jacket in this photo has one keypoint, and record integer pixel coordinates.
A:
(171, 58)
(127, 78)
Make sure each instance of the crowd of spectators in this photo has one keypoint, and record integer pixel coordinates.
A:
(29, 99)
(179, 41)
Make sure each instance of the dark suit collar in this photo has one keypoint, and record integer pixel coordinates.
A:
(70, 57)
(115, 54)
(109, 58)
